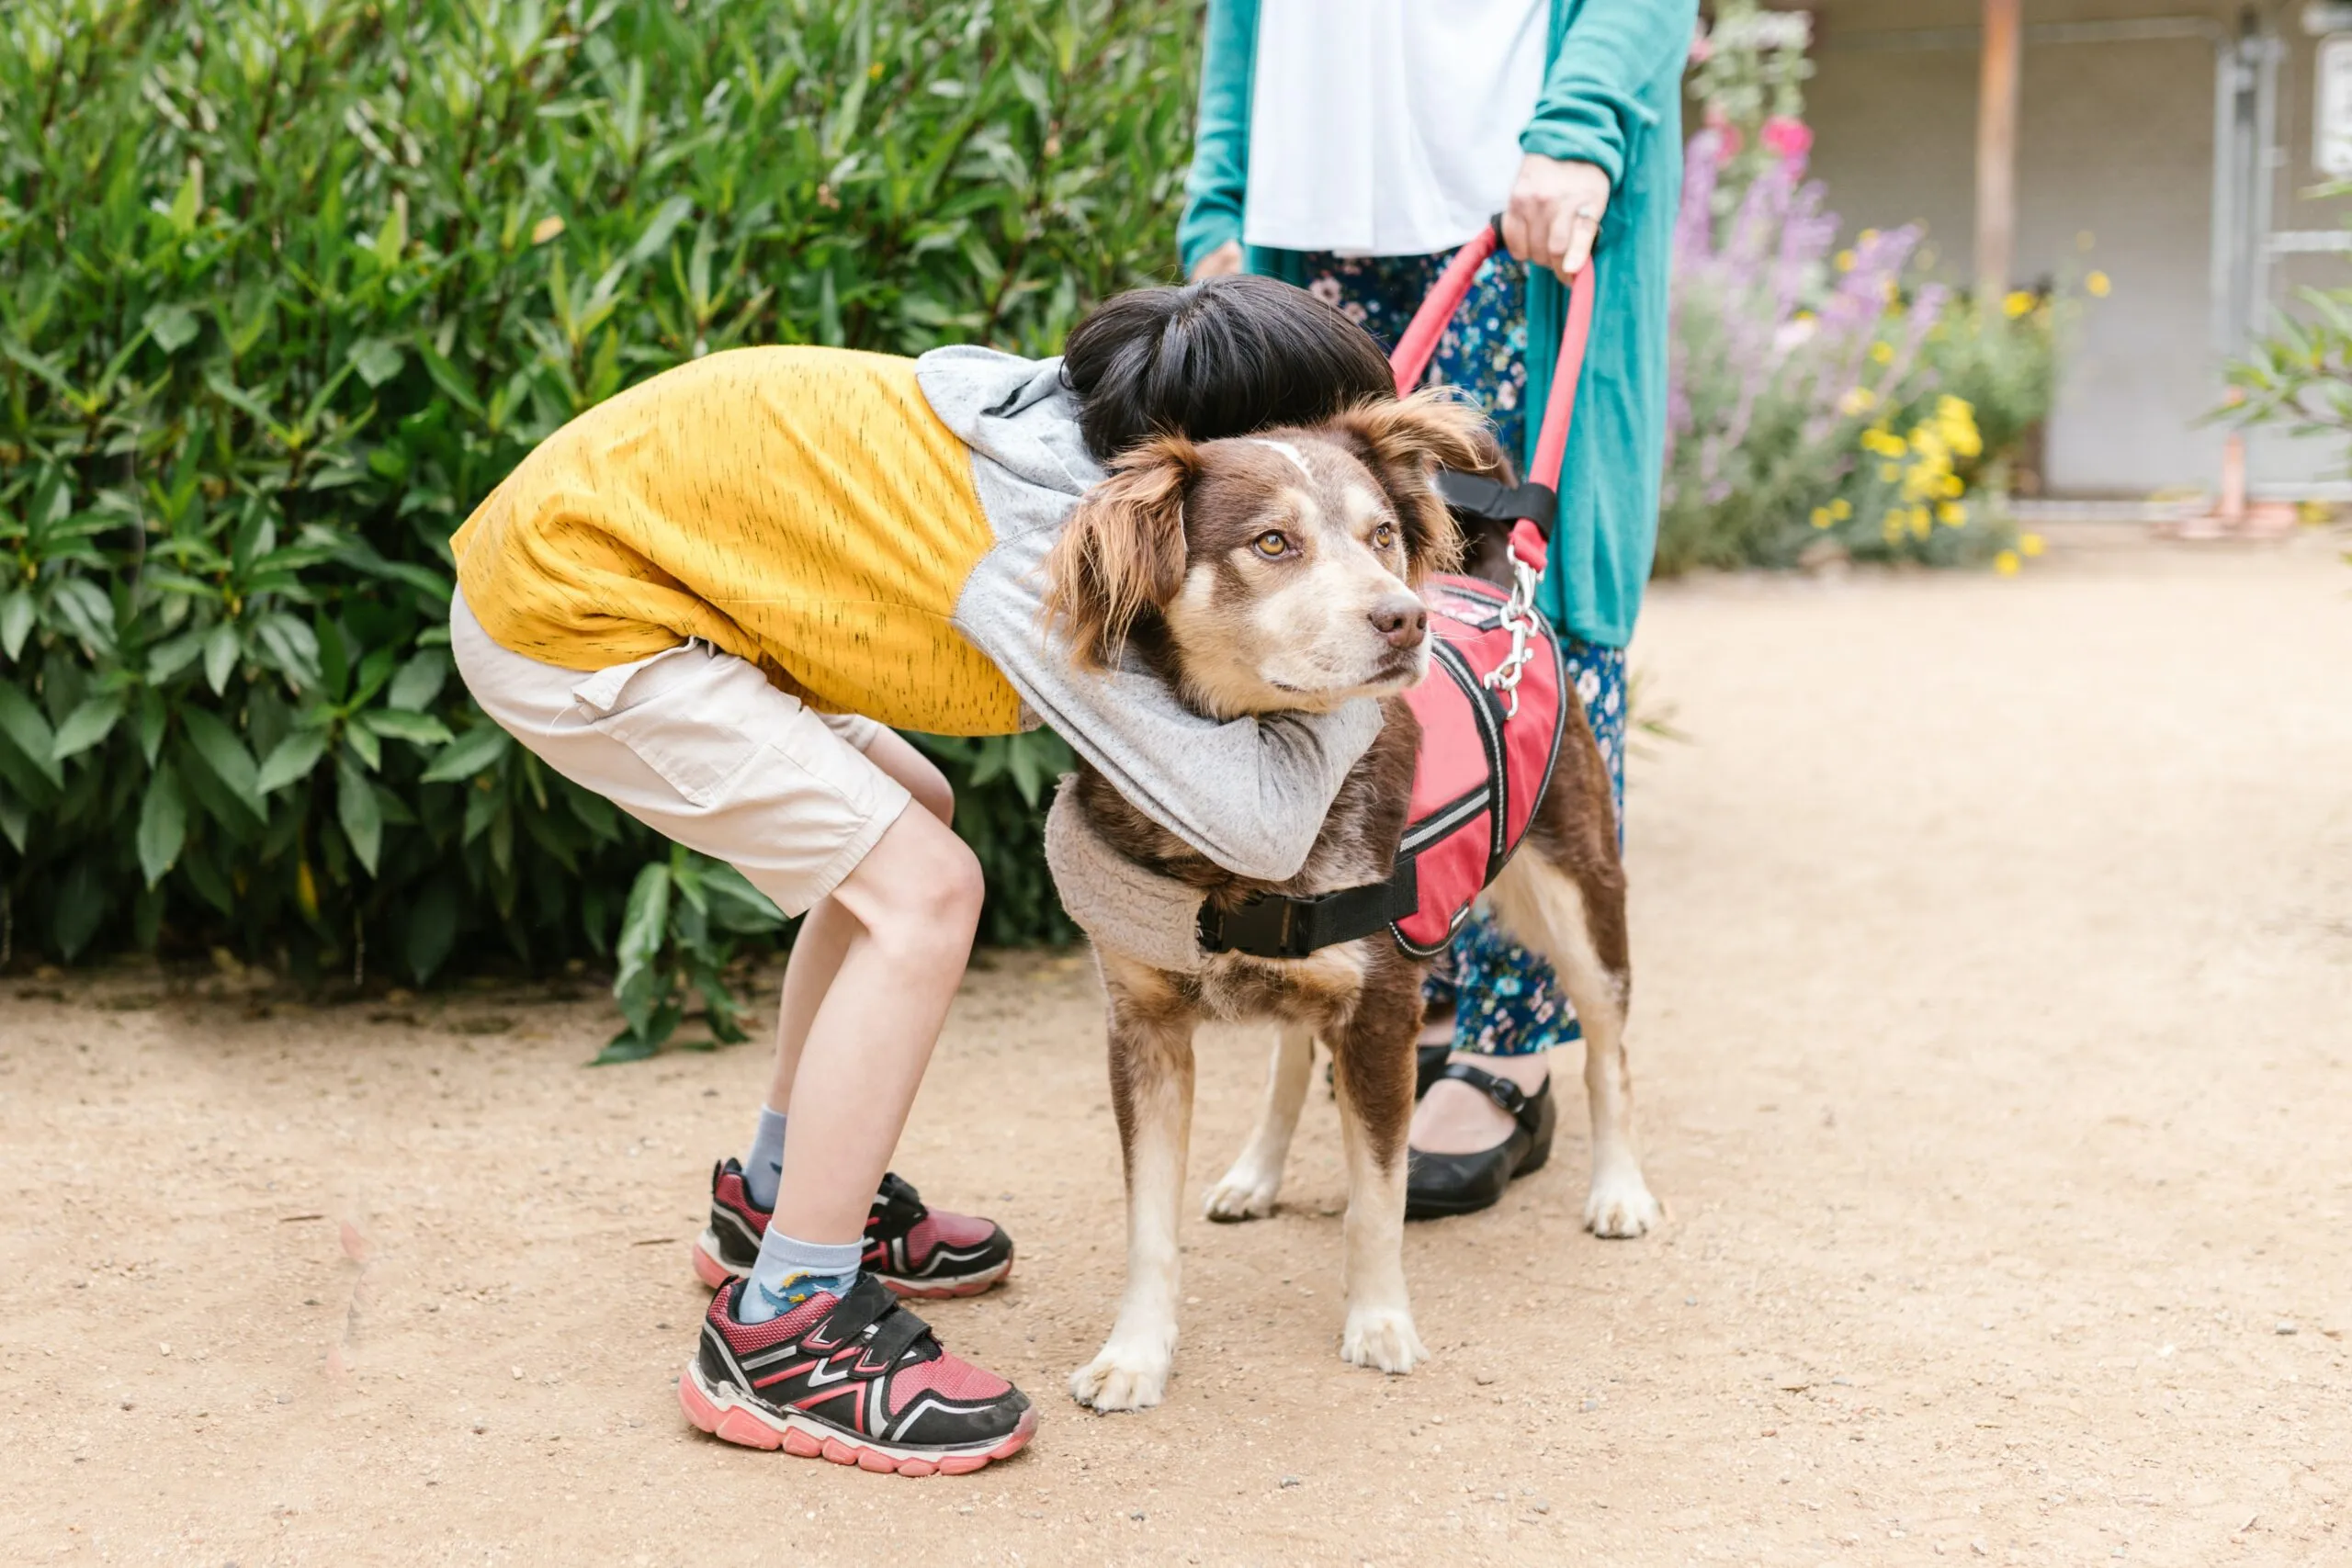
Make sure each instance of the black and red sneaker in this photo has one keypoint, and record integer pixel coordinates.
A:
(917, 1251)
(857, 1379)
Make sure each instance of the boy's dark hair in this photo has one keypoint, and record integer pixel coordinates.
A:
(1219, 357)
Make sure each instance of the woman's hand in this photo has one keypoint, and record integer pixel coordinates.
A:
(1554, 212)
(1222, 262)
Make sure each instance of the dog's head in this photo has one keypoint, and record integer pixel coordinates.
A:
(1271, 572)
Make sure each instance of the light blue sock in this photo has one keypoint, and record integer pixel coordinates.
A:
(789, 1272)
(763, 1166)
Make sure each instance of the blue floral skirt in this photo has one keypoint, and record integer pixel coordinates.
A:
(1506, 1000)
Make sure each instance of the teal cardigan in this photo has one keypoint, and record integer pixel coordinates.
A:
(1613, 97)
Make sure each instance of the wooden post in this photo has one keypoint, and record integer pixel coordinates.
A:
(1997, 150)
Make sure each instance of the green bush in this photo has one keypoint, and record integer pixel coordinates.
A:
(287, 286)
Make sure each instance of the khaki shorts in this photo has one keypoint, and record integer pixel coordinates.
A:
(698, 745)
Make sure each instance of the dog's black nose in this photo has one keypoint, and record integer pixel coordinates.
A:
(1402, 619)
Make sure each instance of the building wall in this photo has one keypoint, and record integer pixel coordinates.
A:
(2115, 171)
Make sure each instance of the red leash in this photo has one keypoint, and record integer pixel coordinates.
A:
(1414, 349)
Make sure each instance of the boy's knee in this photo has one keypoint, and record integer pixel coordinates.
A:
(944, 902)
(962, 885)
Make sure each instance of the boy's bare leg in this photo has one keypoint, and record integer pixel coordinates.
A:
(914, 903)
(825, 934)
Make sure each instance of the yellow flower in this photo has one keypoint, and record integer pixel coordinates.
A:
(1821, 518)
(1920, 525)
(2031, 544)
(1867, 235)
(1842, 509)
(1889, 472)
(2098, 284)
(2017, 303)
(1801, 316)
(1954, 486)
(1882, 353)
(1845, 260)
(2005, 563)
(874, 72)
(545, 229)
(1858, 399)
(1890, 528)
(1951, 513)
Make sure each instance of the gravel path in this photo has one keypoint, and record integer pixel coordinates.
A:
(1994, 1035)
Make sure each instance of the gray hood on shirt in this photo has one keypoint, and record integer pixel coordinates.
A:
(1249, 794)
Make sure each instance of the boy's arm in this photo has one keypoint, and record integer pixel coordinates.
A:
(1251, 794)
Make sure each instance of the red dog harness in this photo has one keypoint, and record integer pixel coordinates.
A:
(1492, 711)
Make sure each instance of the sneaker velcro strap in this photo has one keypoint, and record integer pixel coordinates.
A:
(896, 1334)
(1502, 1091)
(869, 1302)
(899, 1198)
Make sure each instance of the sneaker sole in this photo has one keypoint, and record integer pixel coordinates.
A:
(714, 1271)
(722, 1415)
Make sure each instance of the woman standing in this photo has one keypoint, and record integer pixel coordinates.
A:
(1349, 147)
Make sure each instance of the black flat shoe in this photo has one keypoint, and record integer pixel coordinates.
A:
(1429, 1065)
(1436, 1185)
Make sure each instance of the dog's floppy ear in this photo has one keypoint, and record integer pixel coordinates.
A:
(1122, 553)
(1403, 439)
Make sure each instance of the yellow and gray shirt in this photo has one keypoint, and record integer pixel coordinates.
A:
(870, 531)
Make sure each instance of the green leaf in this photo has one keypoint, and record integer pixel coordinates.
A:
(360, 742)
(226, 755)
(432, 929)
(357, 809)
(153, 716)
(173, 327)
(291, 759)
(163, 824)
(22, 722)
(421, 729)
(375, 360)
(16, 821)
(419, 681)
(471, 753)
(665, 224)
(81, 906)
(221, 649)
(16, 615)
(642, 984)
(169, 657)
(736, 905)
(188, 202)
(88, 724)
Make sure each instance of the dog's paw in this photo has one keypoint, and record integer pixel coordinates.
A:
(1245, 1194)
(1383, 1337)
(1122, 1378)
(1620, 1208)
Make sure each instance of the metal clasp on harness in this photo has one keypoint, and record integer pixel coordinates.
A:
(1519, 616)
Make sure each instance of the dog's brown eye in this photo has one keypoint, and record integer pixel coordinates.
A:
(1272, 543)
(1383, 536)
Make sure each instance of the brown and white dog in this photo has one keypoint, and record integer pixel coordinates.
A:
(1277, 573)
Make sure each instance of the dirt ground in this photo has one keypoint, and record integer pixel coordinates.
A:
(1994, 1037)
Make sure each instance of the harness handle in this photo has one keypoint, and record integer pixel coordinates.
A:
(1418, 345)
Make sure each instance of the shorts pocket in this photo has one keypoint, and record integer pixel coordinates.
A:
(689, 713)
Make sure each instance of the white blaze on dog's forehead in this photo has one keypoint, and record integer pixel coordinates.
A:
(1297, 458)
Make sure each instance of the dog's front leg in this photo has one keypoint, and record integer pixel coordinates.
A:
(1375, 1070)
(1247, 1190)
(1151, 1089)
